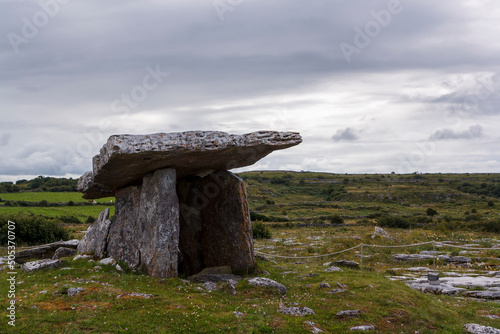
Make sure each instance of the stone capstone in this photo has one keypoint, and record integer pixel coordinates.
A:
(125, 159)
(96, 238)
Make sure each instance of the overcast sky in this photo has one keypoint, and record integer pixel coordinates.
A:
(373, 86)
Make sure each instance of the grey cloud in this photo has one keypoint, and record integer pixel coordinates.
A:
(474, 132)
(347, 134)
(5, 139)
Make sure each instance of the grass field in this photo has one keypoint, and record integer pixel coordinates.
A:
(390, 306)
(464, 203)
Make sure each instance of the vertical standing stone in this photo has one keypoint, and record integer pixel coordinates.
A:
(124, 238)
(191, 258)
(159, 224)
(227, 232)
(95, 240)
(215, 223)
(145, 231)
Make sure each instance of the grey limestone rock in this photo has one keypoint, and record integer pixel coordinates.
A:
(363, 328)
(268, 283)
(41, 264)
(125, 159)
(43, 251)
(145, 232)
(296, 311)
(478, 329)
(348, 313)
(63, 252)
(95, 240)
(74, 291)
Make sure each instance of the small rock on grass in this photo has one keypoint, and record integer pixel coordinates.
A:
(348, 313)
(74, 291)
(108, 261)
(363, 328)
(296, 311)
(210, 286)
(268, 283)
(135, 294)
(332, 269)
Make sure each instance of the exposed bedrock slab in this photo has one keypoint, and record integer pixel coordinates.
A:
(215, 223)
(145, 231)
(43, 251)
(125, 159)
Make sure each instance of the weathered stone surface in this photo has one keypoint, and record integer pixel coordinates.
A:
(215, 227)
(63, 252)
(348, 313)
(41, 264)
(95, 240)
(442, 289)
(124, 232)
(332, 269)
(478, 329)
(125, 159)
(363, 328)
(74, 291)
(145, 232)
(493, 295)
(44, 251)
(296, 311)
(267, 283)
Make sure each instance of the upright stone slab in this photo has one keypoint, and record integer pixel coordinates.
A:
(215, 223)
(227, 231)
(159, 224)
(95, 240)
(145, 231)
(191, 259)
(124, 236)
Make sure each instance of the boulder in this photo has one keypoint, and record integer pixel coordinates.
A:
(125, 159)
(348, 313)
(363, 328)
(43, 251)
(63, 252)
(95, 240)
(346, 263)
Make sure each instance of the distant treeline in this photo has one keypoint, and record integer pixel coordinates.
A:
(44, 203)
(40, 183)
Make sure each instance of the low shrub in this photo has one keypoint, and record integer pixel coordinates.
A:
(394, 221)
(32, 230)
(336, 219)
(261, 231)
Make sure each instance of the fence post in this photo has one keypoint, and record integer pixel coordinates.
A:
(361, 257)
(435, 254)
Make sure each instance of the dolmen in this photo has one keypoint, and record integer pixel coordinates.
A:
(178, 209)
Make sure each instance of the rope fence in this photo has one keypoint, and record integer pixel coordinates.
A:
(362, 246)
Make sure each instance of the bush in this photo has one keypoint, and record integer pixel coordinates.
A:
(69, 219)
(261, 231)
(394, 221)
(491, 226)
(431, 212)
(336, 219)
(90, 220)
(32, 230)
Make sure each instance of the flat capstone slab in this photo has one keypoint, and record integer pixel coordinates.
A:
(125, 159)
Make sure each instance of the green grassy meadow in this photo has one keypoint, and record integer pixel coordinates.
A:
(298, 209)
